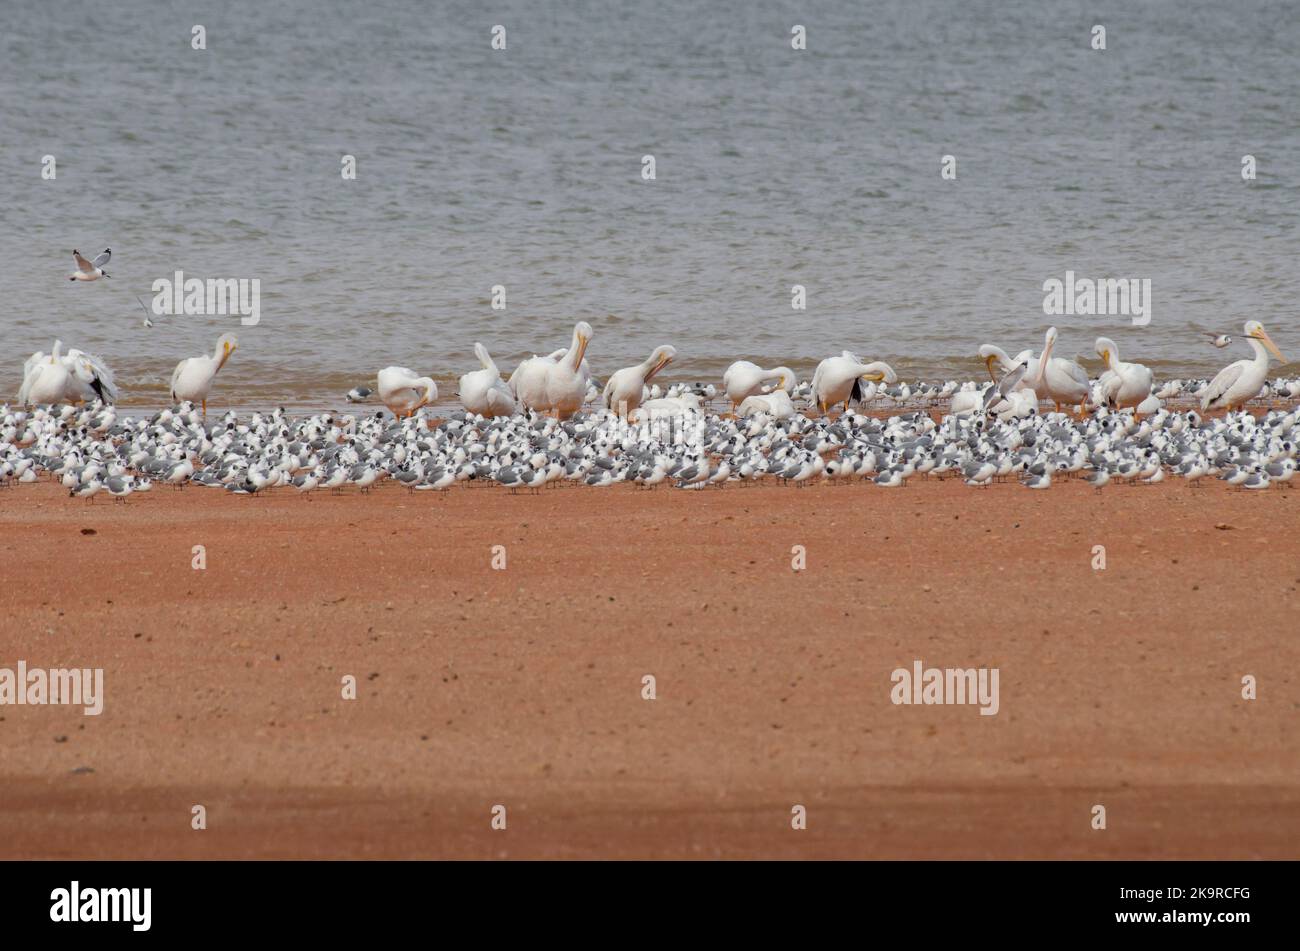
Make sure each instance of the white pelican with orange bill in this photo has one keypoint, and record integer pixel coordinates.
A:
(839, 379)
(1241, 381)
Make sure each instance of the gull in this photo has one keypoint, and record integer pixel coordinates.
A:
(358, 394)
(147, 321)
(90, 270)
(1219, 340)
(87, 490)
(119, 486)
(995, 395)
(1043, 481)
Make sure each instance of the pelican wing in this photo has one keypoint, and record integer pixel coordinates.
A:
(31, 373)
(37, 358)
(1076, 373)
(485, 359)
(102, 372)
(176, 375)
(1224, 381)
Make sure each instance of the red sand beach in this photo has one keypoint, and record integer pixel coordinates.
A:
(523, 687)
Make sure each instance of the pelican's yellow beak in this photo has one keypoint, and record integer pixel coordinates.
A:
(1105, 357)
(873, 377)
(988, 362)
(226, 350)
(1267, 341)
(582, 347)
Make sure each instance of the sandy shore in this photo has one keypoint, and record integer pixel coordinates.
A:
(522, 686)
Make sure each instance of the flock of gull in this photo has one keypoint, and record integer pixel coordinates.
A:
(549, 423)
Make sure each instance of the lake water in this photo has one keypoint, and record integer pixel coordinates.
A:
(523, 168)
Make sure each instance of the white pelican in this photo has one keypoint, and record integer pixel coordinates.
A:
(1241, 381)
(625, 388)
(1123, 384)
(996, 359)
(528, 382)
(565, 383)
(90, 270)
(73, 377)
(403, 392)
(744, 379)
(686, 405)
(776, 404)
(193, 376)
(839, 379)
(969, 399)
(1063, 381)
(483, 391)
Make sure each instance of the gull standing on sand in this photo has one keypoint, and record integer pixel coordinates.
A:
(625, 388)
(839, 379)
(483, 391)
(192, 379)
(1241, 381)
(90, 270)
(403, 392)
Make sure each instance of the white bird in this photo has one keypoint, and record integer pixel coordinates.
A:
(776, 404)
(483, 391)
(625, 388)
(1123, 384)
(1241, 381)
(90, 270)
(744, 379)
(147, 321)
(565, 385)
(996, 359)
(1063, 381)
(65, 378)
(1219, 340)
(403, 392)
(529, 381)
(839, 379)
(192, 379)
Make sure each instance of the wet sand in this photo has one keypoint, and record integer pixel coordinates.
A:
(522, 686)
